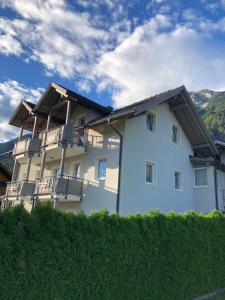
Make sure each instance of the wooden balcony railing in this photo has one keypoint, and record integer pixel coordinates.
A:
(20, 188)
(60, 185)
(27, 145)
(64, 133)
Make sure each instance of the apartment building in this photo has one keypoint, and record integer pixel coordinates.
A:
(82, 156)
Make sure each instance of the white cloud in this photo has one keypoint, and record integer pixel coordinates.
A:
(11, 93)
(65, 41)
(9, 45)
(152, 60)
(189, 14)
(7, 131)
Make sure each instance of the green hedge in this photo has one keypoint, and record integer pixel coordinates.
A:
(54, 255)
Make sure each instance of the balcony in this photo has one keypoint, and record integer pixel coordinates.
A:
(63, 134)
(63, 188)
(20, 190)
(54, 138)
(27, 146)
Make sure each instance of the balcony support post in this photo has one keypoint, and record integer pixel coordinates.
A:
(48, 122)
(21, 133)
(15, 170)
(62, 162)
(28, 168)
(68, 112)
(34, 127)
(15, 165)
(44, 152)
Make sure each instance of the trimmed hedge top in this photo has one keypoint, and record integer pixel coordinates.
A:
(53, 255)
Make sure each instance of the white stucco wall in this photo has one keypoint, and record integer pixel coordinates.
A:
(97, 194)
(34, 171)
(80, 112)
(140, 146)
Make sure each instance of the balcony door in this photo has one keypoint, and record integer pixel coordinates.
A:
(76, 170)
(55, 172)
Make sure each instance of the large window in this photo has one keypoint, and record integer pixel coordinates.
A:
(101, 169)
(175, 134)
(177, 180)
(201, 177)
(150, 172)
(151, 122)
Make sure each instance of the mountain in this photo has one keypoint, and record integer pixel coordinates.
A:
(7, 161)
(211, 107)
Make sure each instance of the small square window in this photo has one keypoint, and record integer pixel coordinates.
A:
(82, 121)
(178, 181)
(102, 169)
(175, 134)
(201, 177)
(151, 122)
(150, 172)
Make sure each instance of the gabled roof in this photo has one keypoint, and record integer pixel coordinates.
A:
(55, 91)
(178, 99)
(181, 104)
(22, 112)
(135, 107)
(220, 145)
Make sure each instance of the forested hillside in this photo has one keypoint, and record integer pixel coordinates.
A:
(211, 107)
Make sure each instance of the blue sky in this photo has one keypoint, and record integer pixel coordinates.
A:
(114, 52)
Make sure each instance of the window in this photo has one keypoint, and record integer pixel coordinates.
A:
(178, 180)
(150, 172)
(175, 134)
(101, 169)
(201, 177)
(82, 121)
(76, 170)
(151, 122)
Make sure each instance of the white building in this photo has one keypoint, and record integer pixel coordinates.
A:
(82, 156)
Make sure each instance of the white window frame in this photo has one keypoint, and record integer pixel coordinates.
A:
(178, 134)
(154, 171)
(97, 168)
(81, 117)
(201, 186)
(181, 180)
(155, 121)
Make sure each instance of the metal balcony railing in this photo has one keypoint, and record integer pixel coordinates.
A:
(64, 133)
(20, 188)
(59, 185)
(27, 145)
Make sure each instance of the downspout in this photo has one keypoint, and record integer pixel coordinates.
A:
(215, 186)
(120, 164)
